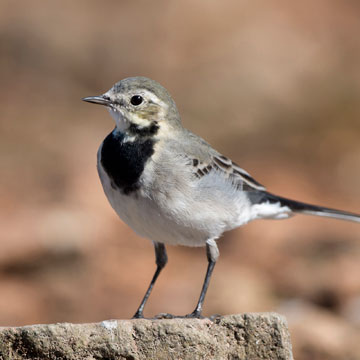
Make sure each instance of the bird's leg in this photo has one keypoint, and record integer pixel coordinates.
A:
(161, 260)
(212, 253)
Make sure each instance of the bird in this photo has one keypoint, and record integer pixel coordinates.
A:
(171, 186)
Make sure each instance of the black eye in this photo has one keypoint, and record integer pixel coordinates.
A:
(136, 100)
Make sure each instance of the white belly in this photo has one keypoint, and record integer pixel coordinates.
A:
(147, 219)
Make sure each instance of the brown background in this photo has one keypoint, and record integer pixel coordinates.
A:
(274, 85)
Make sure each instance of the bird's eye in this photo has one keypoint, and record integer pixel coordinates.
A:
(136, 100)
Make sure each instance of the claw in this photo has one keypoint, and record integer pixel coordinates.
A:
(196, 314)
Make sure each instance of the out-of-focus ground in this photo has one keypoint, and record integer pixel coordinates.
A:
(275, 86)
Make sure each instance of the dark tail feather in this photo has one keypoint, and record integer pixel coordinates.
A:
(308, 209)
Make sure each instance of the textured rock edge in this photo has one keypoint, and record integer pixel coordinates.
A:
(244, 336)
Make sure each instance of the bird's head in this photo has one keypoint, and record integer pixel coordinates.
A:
(139, 106)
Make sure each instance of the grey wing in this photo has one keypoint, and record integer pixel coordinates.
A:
(227, 168)
(205, 160)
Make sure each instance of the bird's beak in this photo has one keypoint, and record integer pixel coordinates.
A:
(97, 100)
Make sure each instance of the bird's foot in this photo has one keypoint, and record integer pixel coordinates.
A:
(196, 314)
(138, 315)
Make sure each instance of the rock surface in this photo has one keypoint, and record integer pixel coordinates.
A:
(245, 336)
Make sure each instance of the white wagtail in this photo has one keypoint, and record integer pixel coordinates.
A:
(171, 186)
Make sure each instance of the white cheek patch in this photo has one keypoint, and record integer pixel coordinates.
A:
(121, 122)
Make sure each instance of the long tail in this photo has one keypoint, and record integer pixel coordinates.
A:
(308, 209)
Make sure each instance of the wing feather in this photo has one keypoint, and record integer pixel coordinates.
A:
(240, 178)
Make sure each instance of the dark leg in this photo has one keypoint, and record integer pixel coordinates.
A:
(212, 253)
(161, 260)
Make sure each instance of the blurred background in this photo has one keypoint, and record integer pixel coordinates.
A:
(274, 86)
